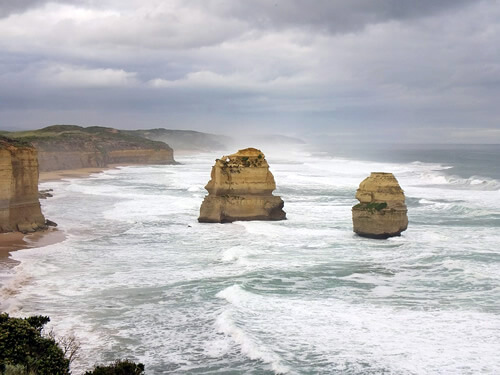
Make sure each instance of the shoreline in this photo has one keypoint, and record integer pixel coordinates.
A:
(72, 173)
(15, 241)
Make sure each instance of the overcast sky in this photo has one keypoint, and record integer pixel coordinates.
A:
(396, 70)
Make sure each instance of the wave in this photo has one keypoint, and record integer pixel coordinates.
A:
(250, 346)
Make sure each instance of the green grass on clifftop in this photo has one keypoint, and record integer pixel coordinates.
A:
(6, 141)
(77, 138)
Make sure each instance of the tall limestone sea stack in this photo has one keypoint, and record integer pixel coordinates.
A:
(19, 205)
(241, 188)
(382, 211)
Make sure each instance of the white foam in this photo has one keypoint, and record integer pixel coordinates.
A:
(254, 350)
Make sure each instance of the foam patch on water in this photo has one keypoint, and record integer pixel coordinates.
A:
(349, 337)
(250, 346)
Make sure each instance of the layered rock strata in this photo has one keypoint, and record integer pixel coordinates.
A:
(63, 147)
(241, 188)
(382, 211)
(19, 205)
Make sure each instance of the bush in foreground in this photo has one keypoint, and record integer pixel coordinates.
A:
(25, 351)
(23, 348)
(118, 368)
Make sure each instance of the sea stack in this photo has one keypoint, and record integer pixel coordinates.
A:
(19, 205)
(382, 211)
(241, 188)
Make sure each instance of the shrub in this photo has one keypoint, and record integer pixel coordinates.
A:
(118, 368)
(23, 348)
(16, 370)
(372, 206)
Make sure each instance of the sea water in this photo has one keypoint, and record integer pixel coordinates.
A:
(139, 278)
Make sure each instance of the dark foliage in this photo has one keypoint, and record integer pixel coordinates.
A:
(372, 206)
(21, 343)
(118, 368)
(6, 141)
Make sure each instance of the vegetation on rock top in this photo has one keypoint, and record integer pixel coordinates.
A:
(6, 141)
(77, 138)
(372, 206)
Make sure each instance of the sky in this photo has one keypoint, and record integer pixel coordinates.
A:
(403, 71)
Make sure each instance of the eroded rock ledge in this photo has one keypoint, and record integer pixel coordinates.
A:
(382, 211)
(241, 188)
(19, 205)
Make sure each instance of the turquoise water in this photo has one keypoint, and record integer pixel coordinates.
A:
(139, 278)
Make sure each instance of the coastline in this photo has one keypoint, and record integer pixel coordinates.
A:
(14, 241)
(72, 173)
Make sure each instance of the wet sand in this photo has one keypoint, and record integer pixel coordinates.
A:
(18, 241)
(70, 173)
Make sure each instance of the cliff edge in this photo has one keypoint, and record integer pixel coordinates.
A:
(72, 147)
(241, 188)
(382, 211)
(19, 205)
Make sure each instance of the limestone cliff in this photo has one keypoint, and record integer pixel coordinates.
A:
(241, 188)
(382, 211)
(19, 205)
(71, 147)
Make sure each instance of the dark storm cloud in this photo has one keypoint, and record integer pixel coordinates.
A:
(332, 15)
(13, 6)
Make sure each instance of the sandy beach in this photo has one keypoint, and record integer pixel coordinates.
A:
(71, 173)
(18, 241)
(14, 241)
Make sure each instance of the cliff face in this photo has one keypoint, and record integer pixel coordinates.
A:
(71, 147)
(382, 211)
(19, 205)
(59, 160)
(240, 188)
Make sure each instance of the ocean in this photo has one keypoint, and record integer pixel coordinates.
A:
(139, 278)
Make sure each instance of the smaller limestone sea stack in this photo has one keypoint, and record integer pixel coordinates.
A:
(241, 188)
(382, 211)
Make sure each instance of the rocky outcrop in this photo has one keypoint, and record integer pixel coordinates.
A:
(241, 188)
(382, 211)
(19, 205)
(72, 147)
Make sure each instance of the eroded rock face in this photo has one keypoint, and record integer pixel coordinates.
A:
(241, 188)
(19, 205)
(382, 211)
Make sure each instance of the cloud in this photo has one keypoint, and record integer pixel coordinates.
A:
(9, 7)
(336, 16)
(334, 66)
(81, 77)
